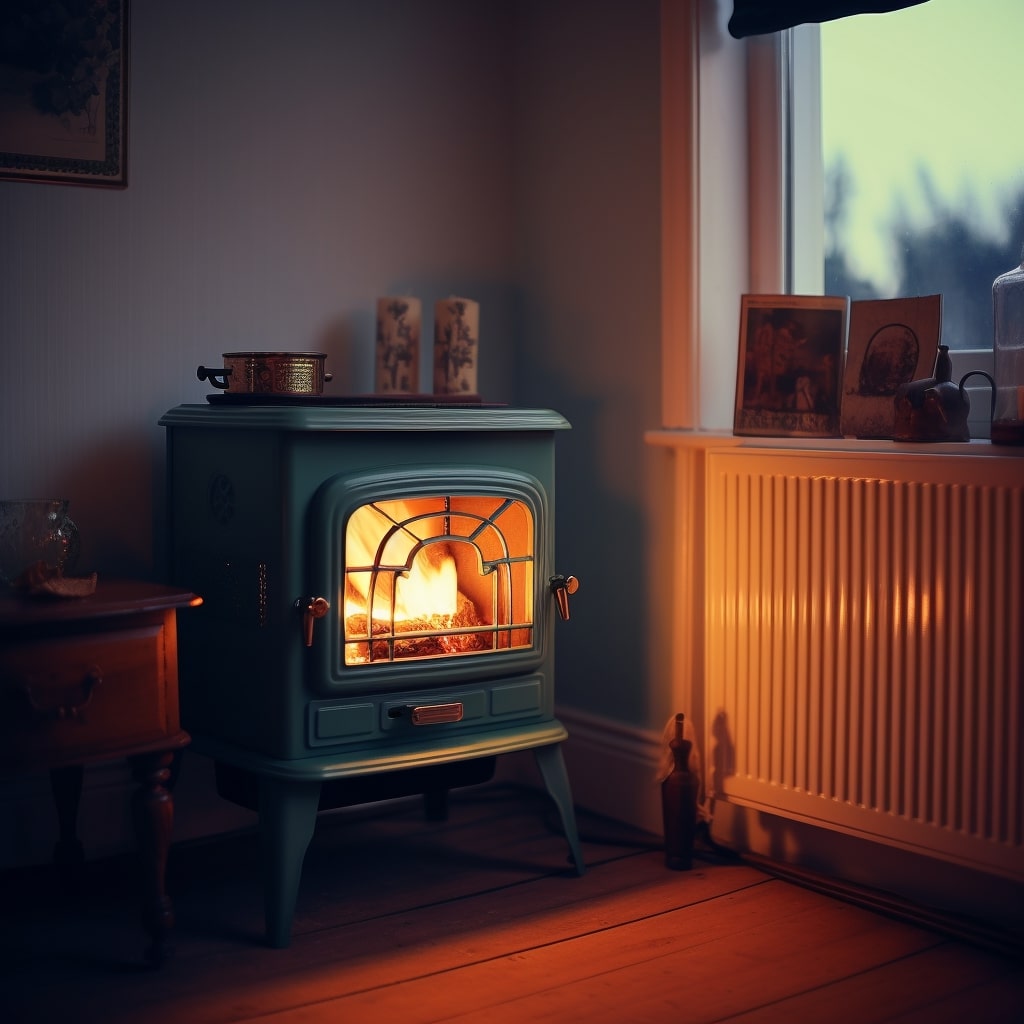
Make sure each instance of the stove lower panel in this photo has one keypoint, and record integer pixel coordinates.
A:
(390, 718)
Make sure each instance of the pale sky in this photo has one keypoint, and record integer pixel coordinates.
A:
(940, 84)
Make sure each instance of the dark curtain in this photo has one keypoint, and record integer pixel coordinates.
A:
(758, 17)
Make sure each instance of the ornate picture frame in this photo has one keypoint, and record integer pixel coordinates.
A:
(790, 365)
(64, 95)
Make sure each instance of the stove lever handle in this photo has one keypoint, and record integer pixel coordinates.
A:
(315, 608)
(562, 587)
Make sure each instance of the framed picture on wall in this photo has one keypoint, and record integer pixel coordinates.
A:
(790, 365)
(64, 92)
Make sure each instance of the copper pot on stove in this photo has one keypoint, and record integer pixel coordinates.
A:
(269, 373)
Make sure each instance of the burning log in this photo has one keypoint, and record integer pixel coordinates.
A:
(440, 641)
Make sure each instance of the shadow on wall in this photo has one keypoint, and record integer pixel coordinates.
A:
(721, 759)
(602, 653)
(783, 839)
(115, 489)
(346, 361)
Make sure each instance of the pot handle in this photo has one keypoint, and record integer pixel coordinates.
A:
(991, 384)
(218, 378)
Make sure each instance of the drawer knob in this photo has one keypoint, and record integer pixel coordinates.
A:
(93, 677)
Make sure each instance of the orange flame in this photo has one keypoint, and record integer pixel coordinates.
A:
(429, 588)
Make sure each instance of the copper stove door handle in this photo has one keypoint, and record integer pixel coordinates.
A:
(313, 608)
(562, 587)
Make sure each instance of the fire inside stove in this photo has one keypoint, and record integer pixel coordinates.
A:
(440, 576)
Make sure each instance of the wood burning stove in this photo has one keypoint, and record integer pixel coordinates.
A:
(379, 597)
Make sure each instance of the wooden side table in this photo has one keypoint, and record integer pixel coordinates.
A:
(92, 679)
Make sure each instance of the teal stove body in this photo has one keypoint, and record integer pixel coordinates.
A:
(379, 605)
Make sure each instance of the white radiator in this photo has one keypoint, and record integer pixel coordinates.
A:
(865, 645)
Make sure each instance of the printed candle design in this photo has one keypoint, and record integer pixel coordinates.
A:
(456, 346)
(397, 366)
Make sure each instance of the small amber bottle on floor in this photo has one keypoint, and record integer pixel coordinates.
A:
(679, 804)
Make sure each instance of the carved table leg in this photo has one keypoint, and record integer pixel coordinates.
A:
(153, 811)
(66, 785)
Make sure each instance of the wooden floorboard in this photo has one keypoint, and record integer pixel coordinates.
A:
(662, 961)
(944, 982)
(480, 918)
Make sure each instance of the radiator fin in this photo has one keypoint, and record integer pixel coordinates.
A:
(864, 648)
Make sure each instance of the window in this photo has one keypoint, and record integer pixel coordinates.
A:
(907, 180)
(923, 165)
(923, 157)
(766, 157)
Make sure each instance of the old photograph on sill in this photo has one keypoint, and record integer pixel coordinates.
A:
(892, 342)
(790, 364)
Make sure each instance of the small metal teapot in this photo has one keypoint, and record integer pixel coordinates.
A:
(935, 408)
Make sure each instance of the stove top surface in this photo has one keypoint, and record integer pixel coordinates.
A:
(359, 413)
(418, 401)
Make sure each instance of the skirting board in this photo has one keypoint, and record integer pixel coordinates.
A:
(929, 883)
(613, 772)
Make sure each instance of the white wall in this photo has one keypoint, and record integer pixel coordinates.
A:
(290, 162)
(588, 219)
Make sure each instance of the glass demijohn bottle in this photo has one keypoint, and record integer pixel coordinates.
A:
(1008, 320)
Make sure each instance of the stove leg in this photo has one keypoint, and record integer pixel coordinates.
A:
(552, 769)
(287, 819)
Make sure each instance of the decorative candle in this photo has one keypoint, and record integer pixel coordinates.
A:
(456, 346)
(397, 366)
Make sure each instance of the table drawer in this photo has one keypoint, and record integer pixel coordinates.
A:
(84, 695)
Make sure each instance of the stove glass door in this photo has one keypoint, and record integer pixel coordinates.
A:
(438, 575)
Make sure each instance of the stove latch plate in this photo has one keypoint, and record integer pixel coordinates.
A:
(562, 587)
